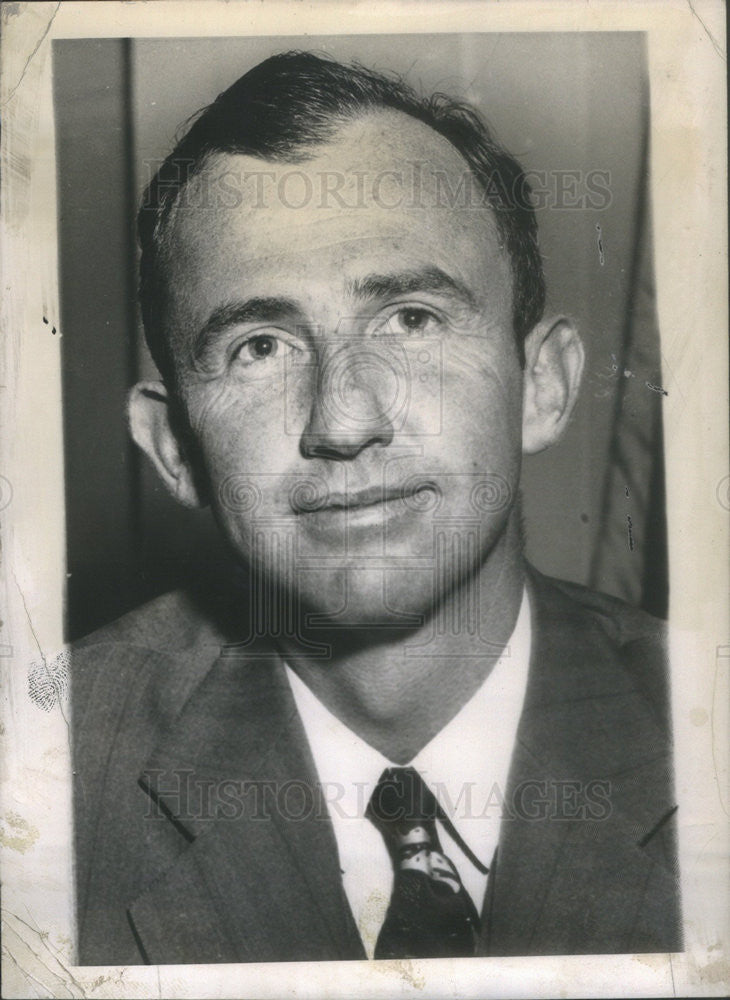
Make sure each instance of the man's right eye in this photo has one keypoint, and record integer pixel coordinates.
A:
(261, 347)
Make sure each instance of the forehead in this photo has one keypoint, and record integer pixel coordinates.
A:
(385, 192)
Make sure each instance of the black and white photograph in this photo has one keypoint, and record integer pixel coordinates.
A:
(372, 637)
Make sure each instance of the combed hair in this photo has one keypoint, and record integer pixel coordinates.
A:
(286, 107)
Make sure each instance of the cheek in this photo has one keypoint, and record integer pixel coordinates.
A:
(482, 404)
(240, 430)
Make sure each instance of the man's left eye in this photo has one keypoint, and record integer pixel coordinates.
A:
(408, 320)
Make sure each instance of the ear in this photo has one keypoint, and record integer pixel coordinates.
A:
(554, 359)
(155, 429)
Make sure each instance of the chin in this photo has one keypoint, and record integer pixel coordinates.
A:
(368, 598)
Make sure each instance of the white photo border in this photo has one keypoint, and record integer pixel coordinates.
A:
(688, 171)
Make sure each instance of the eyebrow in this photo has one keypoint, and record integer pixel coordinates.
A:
(427, 279)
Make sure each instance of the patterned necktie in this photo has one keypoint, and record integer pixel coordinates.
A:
(430, 914)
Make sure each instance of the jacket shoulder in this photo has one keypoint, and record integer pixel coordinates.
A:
(162, 646)
(621, 622)
(619, 643)
(171, 620)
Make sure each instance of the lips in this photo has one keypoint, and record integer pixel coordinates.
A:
(360, 499)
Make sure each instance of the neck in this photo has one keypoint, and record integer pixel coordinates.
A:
(396, 690)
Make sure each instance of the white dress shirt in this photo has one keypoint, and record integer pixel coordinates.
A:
(466, 766)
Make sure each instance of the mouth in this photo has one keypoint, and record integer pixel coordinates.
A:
(362, 500)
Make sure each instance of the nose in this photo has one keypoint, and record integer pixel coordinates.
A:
(358, 390)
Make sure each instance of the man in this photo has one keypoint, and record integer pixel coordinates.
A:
(392, 738)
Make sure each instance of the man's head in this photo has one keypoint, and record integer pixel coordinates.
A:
(287, 107)
(354, 377)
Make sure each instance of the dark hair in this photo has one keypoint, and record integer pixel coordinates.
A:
(285, 107)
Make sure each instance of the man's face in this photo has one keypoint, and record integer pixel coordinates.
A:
(348, 368)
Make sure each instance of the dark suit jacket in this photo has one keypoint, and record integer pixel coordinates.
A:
(180, 858)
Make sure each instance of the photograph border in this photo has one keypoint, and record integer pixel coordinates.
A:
(688, 171)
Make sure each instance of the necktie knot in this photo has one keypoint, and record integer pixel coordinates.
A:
(401, 799)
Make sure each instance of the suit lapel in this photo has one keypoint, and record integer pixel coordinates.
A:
(588, 782)
(260, 879)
